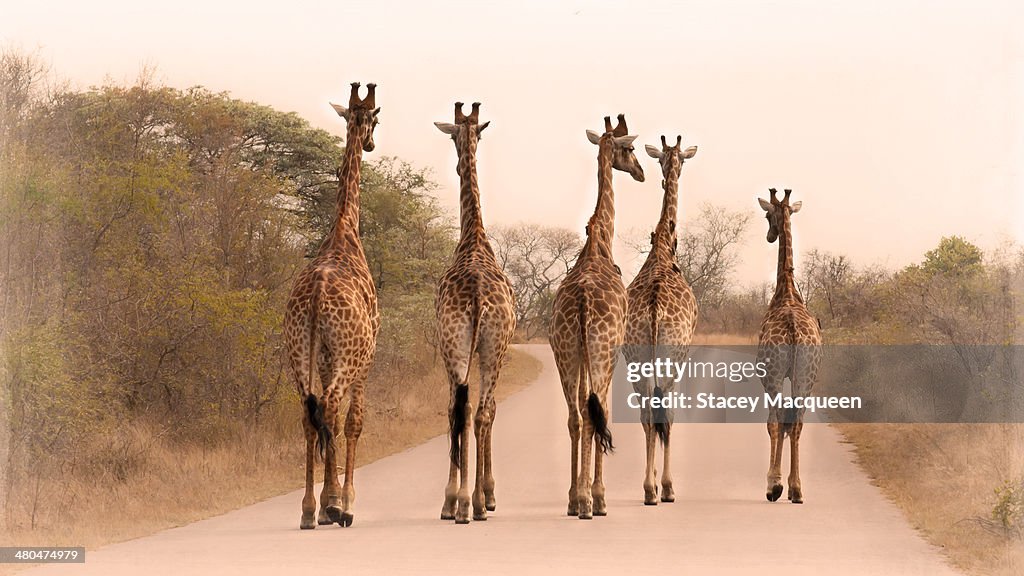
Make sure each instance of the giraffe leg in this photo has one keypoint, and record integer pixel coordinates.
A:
(490, 364)
(795, 493)
(667, 493)
(574, 440)
(308, 521)
(774, 489)
(569, 372)
(597, 488)
(489, 501)
(650, 474)
(584, 497)
(326, 497)
(479, 427)
(451, 490)
(353, 428)
(462, 509)
(331, 490)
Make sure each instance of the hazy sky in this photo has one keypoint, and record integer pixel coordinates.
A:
(894, 122)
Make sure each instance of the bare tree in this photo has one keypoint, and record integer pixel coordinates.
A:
(707, 251)
(535, 258)
(826, 277)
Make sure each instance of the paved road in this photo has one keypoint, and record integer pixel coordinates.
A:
(719, 524)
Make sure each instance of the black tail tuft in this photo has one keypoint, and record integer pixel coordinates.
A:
(315, 412)
(457, 423)
(789, 419)
(600, 422)
(659, 416)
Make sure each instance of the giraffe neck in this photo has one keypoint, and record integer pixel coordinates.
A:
(785, 284)
(469, 194)
(665, 231)
(346, 223)
(602, 223)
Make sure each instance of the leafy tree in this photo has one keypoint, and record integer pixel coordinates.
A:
(953, 255)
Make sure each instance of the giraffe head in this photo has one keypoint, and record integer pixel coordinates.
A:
(621, 143)
(671, 158)
(777, 211)
(466, 130)
(361, 116)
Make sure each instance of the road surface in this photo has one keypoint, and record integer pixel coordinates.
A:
(719, 524)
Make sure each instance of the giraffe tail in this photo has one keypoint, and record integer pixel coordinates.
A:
(791, 414)
(659, 415)
(789, 419)
(457, 416)
(315, 405)
(594, 408)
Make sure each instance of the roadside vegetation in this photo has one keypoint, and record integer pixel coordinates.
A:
(961, 485)
(148, 239)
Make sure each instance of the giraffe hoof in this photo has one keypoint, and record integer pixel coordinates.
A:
(492, 507)
(337, 516)
(600, 512)
(447, 516)
(650, 502)
(480, 517)
(668, 494)
(775, 493)
(462, 520)
(585, 516)
(795, 496)
(307, 522)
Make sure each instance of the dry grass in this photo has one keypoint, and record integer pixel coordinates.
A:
(944, 477)
(170, 485)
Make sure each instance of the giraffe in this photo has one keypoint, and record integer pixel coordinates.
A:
(330, 328)
(662, 311)
(790, 346)
(587, 326)
(475, 313)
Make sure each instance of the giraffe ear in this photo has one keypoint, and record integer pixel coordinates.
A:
(765, 205)
(653, 152)
(482, 126)
(341, 110)
(447, 128)
(688, 153)
(796, 207)
(593, 137)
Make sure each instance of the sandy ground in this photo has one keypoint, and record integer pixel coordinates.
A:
(719, 524)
